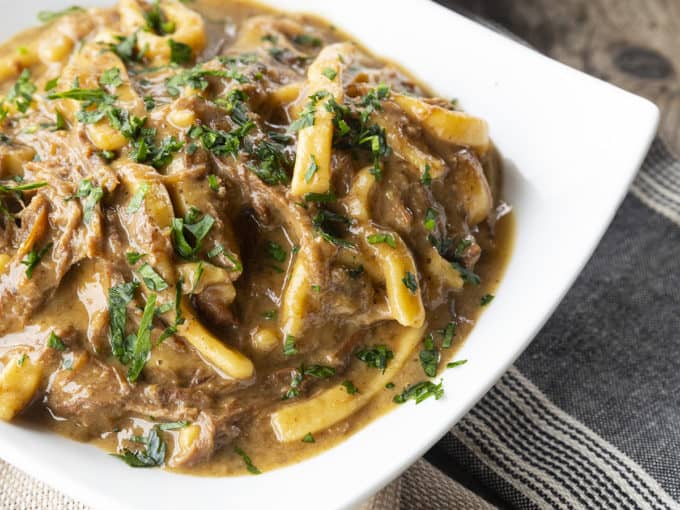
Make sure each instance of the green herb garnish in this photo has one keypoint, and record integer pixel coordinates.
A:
(349, 386)
(377, 356)
(138, 198)
(466, 274)
(410, 282)
(133, 257)
(152, 279)
(429, 357)
(455, 364)
(152, 455)
(56, 343)
(420, 391)
(329, 73)
(486, 299)
(382, 238)
(119, 297)
(276, 252)
(180, 53)
(430, 220)
(33, 258)
(248, 462)
(141, 345)
(47, 16)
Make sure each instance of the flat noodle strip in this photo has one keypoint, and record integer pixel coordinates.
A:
(19, 382)
(407, 150)
(189, 29)
(396, 263)
(230, 361)
(294, 302)
(314, 142)
(449, 126)
(295, 421)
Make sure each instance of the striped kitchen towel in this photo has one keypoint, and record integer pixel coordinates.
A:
(589, 417)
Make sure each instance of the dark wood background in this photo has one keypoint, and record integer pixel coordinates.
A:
(634, 44)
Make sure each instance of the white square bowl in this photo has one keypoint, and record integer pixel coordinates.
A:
(572, 145)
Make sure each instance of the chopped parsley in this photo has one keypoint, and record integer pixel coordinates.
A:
(51, 84)
(155, 21)
(213, 182)
(462, 245)
(21, 94)
(449, 332)
(429, 357)
(125, 48)
(309, 438)
(426, 178)
(320, 197)
(270, 315)
(247, 461)
(189, 232)
(273, 161)
(319, 371)
(221, 143)
(21, 187)
(141, 344)
(175, 425)
(197, 79)
(220, 250)
(349, 386)
(138, 198)
(149, 103)
(410, 282)
(430, 220)
(329, 73)
(306, 118)
(486, 299)
(289, 346)
(22, 360)
(388, 239)
(59, 121)
(47, 16)
(152, 455)
(467, 275)
(180, 53)
(119, 297)
(307, 40)
(56, 343)
(133, 257)
(311, 169)
(420, 391)
(377, 356)
(111, 77)
(33, 258)
(326, 225)
(297, 376)
(455, 364)
(89, 196)
(152, 279)
(276, 252)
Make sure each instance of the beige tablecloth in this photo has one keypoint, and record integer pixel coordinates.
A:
(413, 490)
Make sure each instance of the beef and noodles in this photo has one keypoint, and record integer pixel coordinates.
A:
(225, 230)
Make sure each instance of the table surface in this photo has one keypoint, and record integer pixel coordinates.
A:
(634, 44)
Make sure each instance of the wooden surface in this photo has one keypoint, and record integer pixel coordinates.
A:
(634, 44)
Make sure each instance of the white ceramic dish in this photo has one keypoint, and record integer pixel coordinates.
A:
(572, 145)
